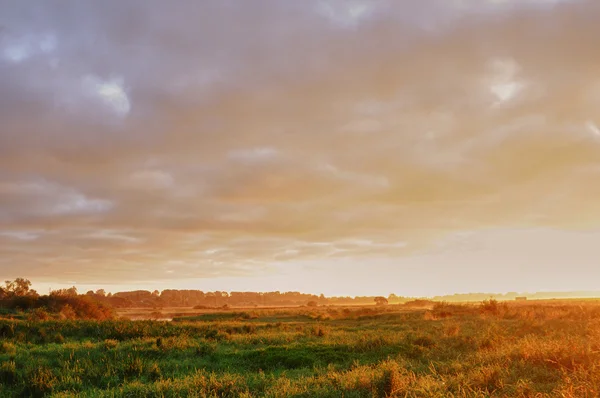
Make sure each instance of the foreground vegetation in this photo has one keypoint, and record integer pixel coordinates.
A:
(489, 349)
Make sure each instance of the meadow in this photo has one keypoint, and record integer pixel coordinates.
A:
(530, 349)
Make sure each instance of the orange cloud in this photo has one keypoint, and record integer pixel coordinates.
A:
(231, 140)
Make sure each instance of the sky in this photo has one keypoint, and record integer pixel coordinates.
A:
(345, 147)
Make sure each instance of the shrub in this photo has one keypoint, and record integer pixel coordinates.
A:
(442, 310)
(319, 331)
(380, 300)
(419, 303)
(492, 307)
(38, 314)
(68, 306)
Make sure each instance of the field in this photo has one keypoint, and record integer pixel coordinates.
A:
(479, 350)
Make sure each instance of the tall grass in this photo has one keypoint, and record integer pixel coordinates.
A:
(527, 350)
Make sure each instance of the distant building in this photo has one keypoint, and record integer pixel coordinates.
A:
(520, 298)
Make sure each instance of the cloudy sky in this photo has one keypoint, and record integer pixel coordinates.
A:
(337, 146)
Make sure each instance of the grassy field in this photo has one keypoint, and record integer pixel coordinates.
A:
(490, 349)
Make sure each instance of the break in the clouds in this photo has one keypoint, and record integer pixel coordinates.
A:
(142, 141)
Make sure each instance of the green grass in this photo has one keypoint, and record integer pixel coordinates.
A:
(531, 350)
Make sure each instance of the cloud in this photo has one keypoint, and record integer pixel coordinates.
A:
(221, 138)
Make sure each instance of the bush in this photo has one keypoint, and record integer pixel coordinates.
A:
(38, 314)
(319, 331)
(444, 310)
(380, 300)
(492, 307)
(419, 303)
(68, 306)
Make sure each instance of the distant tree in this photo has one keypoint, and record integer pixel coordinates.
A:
(101, 292)
(380, 300)
(322, 299)
(72, 291)
(312, 303)
(156, 293)
(18, 295)
(6, 291)
(20, 287)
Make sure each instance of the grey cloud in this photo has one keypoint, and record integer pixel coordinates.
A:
(282, 124)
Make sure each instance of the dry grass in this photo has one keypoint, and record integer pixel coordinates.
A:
(443, 350)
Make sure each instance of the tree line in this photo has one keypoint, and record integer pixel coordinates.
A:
(218, 299)
(18, 294)
(62, 303)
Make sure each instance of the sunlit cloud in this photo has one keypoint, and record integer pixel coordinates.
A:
(110, 92)
(593, 128)
(272, 139)
(503, 80)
